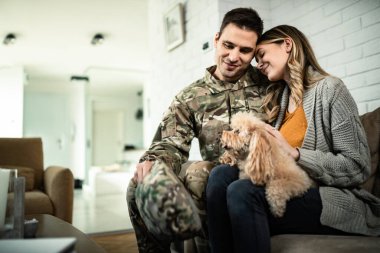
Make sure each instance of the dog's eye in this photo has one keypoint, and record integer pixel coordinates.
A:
(236, 131)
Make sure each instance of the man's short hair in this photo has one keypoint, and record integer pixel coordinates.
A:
(244, 18)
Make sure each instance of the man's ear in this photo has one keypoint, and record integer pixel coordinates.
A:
(216, 38)
(288, 44)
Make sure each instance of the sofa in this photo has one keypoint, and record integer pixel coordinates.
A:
(297, 243)
(49, 191)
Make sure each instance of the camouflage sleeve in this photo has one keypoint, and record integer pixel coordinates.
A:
(171, 143)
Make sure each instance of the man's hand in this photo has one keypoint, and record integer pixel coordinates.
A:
(142, 169)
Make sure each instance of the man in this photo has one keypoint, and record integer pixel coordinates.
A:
(161, 208)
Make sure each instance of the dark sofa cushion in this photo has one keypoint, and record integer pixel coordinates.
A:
(324, 244)
(371, 124)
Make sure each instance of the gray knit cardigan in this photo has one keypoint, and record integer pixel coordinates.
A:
(335, 153)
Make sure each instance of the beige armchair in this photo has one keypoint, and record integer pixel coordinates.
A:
(49, 191)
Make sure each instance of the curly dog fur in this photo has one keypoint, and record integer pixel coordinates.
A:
(251, 148)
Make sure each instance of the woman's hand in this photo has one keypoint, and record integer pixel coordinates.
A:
(293, 152)
(142, 169)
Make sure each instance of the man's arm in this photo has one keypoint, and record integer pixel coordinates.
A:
(171, 142)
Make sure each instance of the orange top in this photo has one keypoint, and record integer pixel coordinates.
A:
(294, 126)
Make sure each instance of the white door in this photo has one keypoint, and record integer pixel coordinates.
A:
(107, 137)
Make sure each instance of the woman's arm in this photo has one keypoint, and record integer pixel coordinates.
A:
(341, 157)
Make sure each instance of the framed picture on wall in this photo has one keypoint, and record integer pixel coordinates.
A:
(174, 27)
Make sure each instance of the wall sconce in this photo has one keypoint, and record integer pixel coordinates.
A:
(98, 39)
(9, 39)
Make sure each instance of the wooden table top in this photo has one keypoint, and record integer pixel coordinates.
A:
(50, 226)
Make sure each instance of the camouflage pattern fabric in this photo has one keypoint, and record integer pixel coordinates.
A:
(195, 181)
(202, 110)
(146, 242)
(165, 206)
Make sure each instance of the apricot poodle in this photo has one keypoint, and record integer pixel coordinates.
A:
(256, 153)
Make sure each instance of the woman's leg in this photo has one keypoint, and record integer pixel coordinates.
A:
(253, 223)
(302, 216)
(248, 211)
(219, 228)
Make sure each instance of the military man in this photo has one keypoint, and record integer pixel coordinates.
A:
(162, 206)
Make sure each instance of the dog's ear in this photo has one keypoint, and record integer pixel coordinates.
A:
(259, 166)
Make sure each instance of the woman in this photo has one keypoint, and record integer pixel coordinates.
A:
(318, 125)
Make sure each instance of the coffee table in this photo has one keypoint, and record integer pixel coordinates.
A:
(50, 226)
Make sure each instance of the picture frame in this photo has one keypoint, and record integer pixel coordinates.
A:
(174, 27)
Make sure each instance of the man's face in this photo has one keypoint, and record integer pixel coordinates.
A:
(234, 51)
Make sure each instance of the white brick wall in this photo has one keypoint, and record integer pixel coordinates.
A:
(345, 35)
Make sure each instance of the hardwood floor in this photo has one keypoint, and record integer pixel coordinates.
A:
(117, 243)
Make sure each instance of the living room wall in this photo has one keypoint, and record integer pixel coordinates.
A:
(344, 33)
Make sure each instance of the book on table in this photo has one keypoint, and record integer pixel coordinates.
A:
(38, 245)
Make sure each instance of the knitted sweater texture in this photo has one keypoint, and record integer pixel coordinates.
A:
(335, 154)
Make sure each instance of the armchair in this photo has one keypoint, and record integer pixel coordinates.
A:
(49, 191)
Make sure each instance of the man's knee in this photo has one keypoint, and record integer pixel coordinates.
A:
(131, 189)
(165, 205)
(195, 179)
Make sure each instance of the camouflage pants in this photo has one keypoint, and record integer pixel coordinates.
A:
(165, 208)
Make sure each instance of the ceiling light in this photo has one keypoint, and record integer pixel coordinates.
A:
(98, 39)
(9, 39)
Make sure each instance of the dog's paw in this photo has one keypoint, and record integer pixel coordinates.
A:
(226, 158)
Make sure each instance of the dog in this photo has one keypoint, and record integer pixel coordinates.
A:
(257, 154)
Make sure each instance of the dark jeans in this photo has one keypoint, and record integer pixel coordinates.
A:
(239, 219)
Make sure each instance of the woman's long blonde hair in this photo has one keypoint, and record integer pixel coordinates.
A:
(300, 59)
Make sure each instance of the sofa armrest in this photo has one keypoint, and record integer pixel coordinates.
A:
(59, 186)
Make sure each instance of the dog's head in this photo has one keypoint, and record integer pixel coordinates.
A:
(250, 141)
(236, 140)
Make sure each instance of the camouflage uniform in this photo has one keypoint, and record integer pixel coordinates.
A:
(161, 208)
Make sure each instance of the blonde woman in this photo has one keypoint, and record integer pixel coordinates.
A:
(316, 122)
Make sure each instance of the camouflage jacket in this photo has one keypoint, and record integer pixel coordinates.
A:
(203, 110)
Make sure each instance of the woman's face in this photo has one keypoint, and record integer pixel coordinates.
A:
(272, 60)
